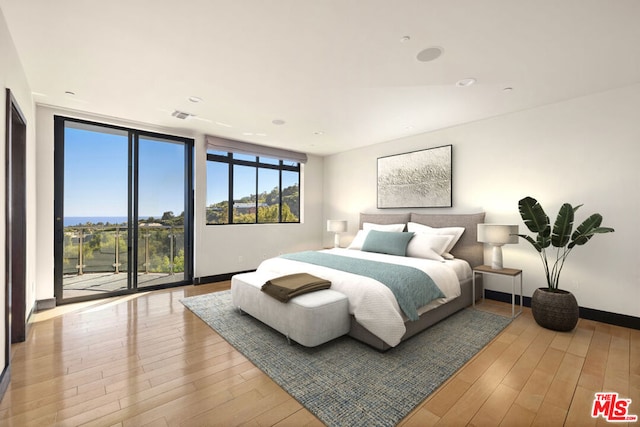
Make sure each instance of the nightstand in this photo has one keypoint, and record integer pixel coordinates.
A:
(511, 272)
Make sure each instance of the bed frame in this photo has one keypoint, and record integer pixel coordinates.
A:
(467, 248)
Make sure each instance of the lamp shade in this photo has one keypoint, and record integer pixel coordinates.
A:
(497, 234)
(337, 225)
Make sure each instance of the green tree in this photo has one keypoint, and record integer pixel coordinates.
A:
(287, 215)
(178, 262)
(291, 198)
(218, 213)
(243, 218)
(268, 214)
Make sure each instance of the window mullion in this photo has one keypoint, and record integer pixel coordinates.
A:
(257, 174)
(280, 193)
(230, 207)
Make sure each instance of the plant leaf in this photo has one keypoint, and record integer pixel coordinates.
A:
(534, 216)
(587, 229)
(563, 226)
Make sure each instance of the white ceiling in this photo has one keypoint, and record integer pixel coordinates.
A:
(336, 71)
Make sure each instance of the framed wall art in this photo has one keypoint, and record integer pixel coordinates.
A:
(420, 179)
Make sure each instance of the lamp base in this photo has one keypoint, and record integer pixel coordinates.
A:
(496, 260)
(336, 240)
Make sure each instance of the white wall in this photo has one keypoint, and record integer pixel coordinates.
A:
(12, 76)
(218, 249)
(584, 150)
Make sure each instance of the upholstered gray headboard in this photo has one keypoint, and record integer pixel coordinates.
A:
(384, 218)
(467, 247)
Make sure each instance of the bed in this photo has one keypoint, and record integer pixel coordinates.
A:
(375, 320)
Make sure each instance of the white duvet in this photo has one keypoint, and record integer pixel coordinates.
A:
(370, 302)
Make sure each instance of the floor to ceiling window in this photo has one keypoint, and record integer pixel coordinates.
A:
(123, 210)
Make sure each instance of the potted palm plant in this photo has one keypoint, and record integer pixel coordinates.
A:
(552, 307)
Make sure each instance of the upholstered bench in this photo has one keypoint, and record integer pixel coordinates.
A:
(310, 319)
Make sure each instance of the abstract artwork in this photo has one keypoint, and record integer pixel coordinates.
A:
(420, 179)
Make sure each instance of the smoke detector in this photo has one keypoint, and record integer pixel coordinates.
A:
(182, 115)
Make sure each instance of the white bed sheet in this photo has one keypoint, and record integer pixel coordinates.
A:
(372, 303)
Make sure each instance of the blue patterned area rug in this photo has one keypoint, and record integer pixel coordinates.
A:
(345, 382)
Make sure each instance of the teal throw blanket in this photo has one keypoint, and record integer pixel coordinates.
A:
(412, 287)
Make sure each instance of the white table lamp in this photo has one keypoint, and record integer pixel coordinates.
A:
(336, 226)
(497, 235)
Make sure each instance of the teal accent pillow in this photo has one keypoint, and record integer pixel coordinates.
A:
(387, 242)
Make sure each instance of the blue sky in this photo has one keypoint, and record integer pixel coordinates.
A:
(96, 175)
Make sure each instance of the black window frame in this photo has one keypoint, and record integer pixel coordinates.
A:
(281, 167)
(134, 135)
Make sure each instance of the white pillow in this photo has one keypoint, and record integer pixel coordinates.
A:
(358, 241)
(382, 227)
(456, 232)
(428, 246)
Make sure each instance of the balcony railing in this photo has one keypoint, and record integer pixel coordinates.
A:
(102, 249)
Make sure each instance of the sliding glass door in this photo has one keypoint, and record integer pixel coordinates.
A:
(161, 204)
(123, 218)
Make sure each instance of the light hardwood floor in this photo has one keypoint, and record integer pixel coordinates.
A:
(145, 360)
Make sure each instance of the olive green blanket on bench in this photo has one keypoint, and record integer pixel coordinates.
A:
(286, 287)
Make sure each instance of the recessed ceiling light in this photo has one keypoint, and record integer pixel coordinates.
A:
(318, 132)
(195, 99)
(466, 82)
(507, 89)
(68, 92)
(405, 39)
(278, 122)
(429, 54)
